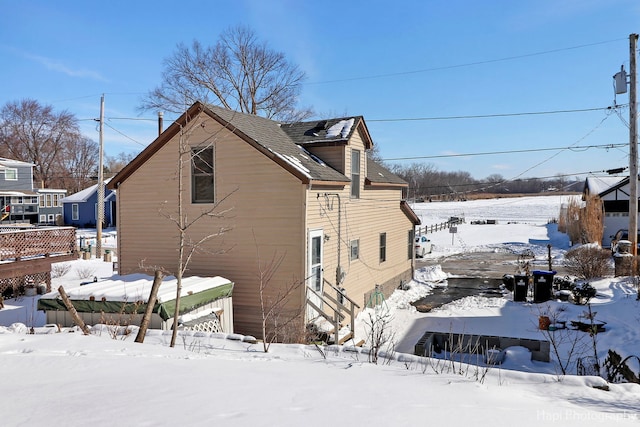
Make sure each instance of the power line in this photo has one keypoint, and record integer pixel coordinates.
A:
(126, 136)
(468, 64)
(486, 153)
(485, 116)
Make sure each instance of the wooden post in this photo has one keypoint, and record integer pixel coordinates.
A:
(144, 324)
(72, 311)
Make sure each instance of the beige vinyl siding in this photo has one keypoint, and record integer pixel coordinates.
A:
(376, 211)
(266, 214)
(333, 156)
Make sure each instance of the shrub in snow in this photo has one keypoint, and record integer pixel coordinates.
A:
(588, 262)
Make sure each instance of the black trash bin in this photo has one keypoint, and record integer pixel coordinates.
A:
(520, 288)
(542, 285)
(508, 281)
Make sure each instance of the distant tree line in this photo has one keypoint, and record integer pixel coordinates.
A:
(428, 183)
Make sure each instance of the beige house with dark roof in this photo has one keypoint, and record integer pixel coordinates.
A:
(304, 194)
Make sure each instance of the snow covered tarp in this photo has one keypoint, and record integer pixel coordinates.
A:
(123, 299)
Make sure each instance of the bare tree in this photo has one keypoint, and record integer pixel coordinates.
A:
(184, 220)
(114, 164)
(277, 320)
(35, 133)
(80, 162)
(239, 73)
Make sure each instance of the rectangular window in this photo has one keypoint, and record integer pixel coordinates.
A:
(354, 253)
(56, 200)
(75, 212)
(48, 200)
(355, 174)
(202, 190)
(50, 218)
(383, 247)
(411, 236)
(11, 174)
(43, 218)
(41, 200)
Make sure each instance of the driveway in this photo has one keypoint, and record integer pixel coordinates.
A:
(485, 264)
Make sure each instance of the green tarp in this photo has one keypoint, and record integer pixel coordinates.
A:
(165, 310)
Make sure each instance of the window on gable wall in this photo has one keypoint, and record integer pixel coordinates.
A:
(202, 189)
(355, 174)
(383, 247)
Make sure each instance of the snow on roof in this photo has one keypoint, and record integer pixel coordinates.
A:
(600, 184)
(10, 162)
(83, 195)
(137, 287)
(342, 128)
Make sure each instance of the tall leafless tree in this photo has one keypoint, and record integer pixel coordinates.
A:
(190, 244)
(35, 133)
(239, 72)
(79, 163)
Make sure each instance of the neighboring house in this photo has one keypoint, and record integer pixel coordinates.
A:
(298, 204)
(50, 206)
(20, 201)
(81, 208)
(614, 193)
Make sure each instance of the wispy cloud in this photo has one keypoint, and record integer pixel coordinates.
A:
(55, 65)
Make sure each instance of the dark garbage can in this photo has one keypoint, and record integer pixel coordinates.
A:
(520, 288)
(542, 285)
(508, 281)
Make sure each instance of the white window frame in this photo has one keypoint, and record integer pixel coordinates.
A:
(13, 176)
(355, 173)
(43, 218)
(75, 212)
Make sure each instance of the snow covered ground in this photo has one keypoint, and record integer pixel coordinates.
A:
(68, 379)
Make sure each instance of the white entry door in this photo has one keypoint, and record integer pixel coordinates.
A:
(314, 270)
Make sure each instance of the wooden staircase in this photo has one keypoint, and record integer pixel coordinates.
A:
(335, 312)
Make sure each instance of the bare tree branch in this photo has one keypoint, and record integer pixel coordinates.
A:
(238, 73)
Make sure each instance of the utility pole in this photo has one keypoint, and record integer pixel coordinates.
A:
(100, 187)
(633, 149)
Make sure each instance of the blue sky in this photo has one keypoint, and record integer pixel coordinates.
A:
(387, 61)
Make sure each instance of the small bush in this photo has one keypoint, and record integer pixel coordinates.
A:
(588, 262)
(60, 269)
(85, 272)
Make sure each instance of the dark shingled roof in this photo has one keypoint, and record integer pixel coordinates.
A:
(316, 131)
(284, 142)
(378, 174)
(269, 134)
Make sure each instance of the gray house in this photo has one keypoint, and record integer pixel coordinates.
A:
(20, 201)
